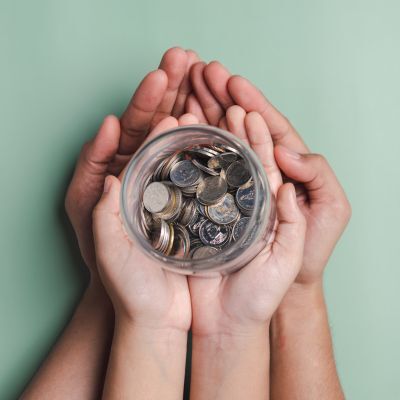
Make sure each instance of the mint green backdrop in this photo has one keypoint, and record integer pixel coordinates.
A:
(331, 66)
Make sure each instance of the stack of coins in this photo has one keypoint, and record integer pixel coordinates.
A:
(198, 201)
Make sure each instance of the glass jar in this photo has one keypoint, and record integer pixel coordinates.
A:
(142, 166)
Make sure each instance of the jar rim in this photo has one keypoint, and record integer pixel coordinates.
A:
(188, 266)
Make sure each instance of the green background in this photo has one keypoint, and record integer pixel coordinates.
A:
(331, 66)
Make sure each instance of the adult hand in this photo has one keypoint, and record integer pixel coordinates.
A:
(161, 93)
(320, 196)
(250, 296)
(141, 291)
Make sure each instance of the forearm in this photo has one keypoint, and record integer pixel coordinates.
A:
(75, 367)
(146, 363)
(227, 366)
(302, 360)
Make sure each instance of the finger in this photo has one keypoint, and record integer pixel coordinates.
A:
(136, 120)
(246, 95)
(174, 64)
(102, 149)
(211, 108)
(188, 119)
(261, 142)
(163, 126)
(314, 172)
(288, 245)
(216, 77)
(193, 107)
(223, 124)
(107, 227)
(235, 120)
(185, 87)
(87, 183)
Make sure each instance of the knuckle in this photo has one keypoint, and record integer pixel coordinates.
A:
(320, 160)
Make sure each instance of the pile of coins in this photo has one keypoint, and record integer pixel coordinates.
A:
(198, 201)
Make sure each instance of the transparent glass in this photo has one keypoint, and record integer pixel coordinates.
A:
(142, 166)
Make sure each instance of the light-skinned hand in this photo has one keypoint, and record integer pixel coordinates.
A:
(248, 298)
(141, 291)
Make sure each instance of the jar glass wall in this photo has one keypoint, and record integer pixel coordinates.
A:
(139, 173)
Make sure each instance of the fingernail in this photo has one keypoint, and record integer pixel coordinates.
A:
(290, 153)
(107, 185)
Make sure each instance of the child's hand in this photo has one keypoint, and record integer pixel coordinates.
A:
(250, 296)
(140, 289)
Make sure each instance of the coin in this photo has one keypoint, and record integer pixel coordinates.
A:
(203, 252)
(203, 152)
(214, 235)
(170, 162)
(171, 213)
(240, 227)
(156, 197)
(201, 208)
(237, 174)
(184, 174)
(194, 227)
(224, 212)
(225, 148)
(222, 160)
(204, 168)
(189, 212)
(181, 246)
(211, 190)
(245, 197)
(170, 239)
(160, 235)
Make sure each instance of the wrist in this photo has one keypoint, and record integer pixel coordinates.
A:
(230, 337)
(149, 332)
(307, 296)
(95, 295)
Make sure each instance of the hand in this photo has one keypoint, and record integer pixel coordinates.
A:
(249, 297)
(141, 291)
(320, 195)
(161, 93)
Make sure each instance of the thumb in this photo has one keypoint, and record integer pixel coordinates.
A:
(288, 244)
(107, 226)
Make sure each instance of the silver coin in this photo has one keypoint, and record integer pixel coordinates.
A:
(204, 252)
(160, 235)
(214, 235)
(211, 190)
(222, 160)
(181, 246)
(184, 174)
(204, 168)
(156, 197)
(239, 228)
(170, 162)
(202, 151)
(224, 212)
(189, 212)
(226, 148)
(245, 196)
(201, 208)
(237, 174)
(195, 226)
